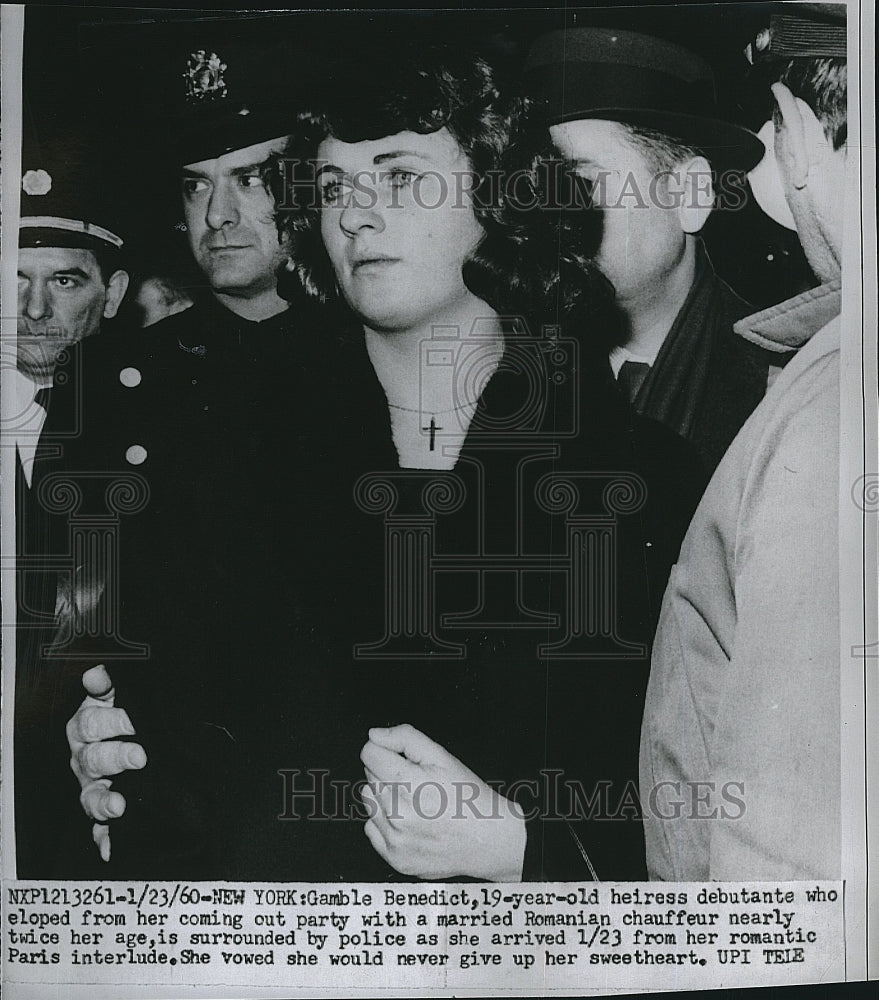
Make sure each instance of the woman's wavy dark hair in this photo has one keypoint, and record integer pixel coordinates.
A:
(538, 257)
(529, 258)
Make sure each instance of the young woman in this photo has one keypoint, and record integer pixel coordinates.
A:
(396, 202)
(491, 632)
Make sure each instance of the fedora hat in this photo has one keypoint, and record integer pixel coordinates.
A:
(639, 80)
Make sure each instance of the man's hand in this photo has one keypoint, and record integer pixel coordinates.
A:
(432, 817)
(95, 753)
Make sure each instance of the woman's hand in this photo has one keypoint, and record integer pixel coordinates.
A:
(432, 817)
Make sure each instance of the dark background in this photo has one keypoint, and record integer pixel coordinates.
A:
(108, 78)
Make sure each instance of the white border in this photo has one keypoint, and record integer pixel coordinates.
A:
(858, 527)
(11, 49)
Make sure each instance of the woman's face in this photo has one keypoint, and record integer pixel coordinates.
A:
(397, 222)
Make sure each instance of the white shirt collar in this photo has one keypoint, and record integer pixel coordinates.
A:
(620, 355)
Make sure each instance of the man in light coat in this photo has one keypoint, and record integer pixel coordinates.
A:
(740, 745)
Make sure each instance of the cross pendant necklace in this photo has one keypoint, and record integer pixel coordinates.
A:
(433, 429)
(433, 426)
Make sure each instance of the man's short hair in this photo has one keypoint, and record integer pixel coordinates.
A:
(823, 85)
(662, 152)
(109, 261)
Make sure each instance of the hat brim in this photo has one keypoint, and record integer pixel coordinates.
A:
(192, 138)
(30, 237)
(725, 144)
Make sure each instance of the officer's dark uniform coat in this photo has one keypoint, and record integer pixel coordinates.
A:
(227, 451)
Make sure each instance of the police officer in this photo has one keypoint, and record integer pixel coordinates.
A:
(71, 278)
(230, 425)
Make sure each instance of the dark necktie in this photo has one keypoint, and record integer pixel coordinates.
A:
(631, 378)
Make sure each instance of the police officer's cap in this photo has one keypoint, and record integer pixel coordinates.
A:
(64, 200)
(638, 79)
(802, 31)
(218, 94)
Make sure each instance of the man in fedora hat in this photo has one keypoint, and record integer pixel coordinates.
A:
(636, 117)
(217, 410)
(744, 691)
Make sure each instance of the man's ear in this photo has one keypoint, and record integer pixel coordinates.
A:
(117, 286)
(697, 195)
(800, 141)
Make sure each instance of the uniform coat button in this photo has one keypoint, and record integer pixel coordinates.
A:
(130, 377)
(136, 454)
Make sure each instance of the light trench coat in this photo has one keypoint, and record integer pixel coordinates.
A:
(744, 686)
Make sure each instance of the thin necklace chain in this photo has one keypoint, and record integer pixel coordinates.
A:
(435, 413)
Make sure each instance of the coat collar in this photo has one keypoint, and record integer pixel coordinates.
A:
(790, 324)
